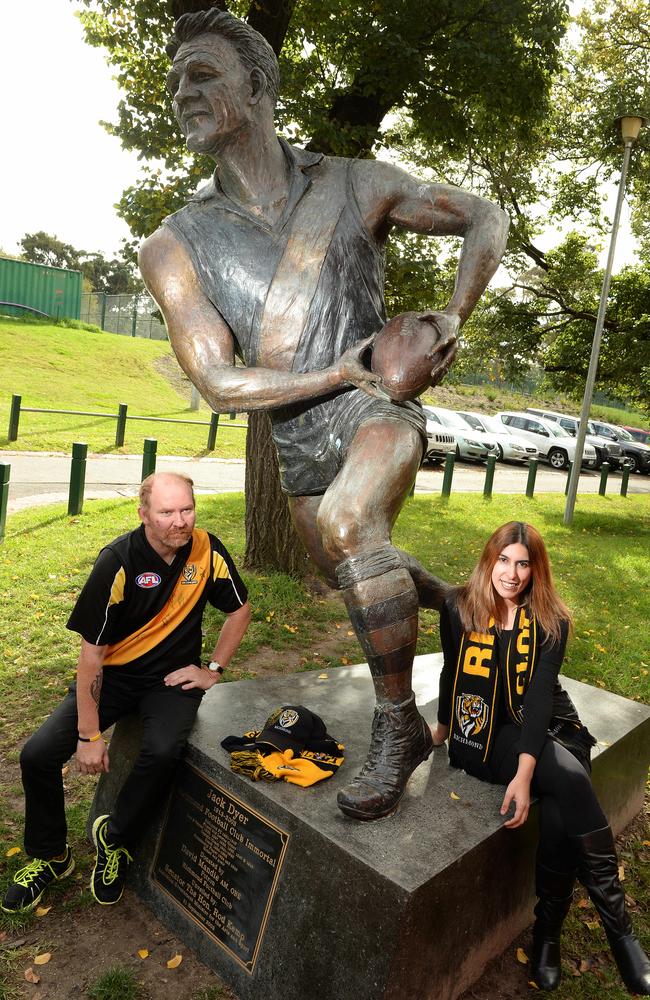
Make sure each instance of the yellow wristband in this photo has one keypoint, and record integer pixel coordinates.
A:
(90, 739)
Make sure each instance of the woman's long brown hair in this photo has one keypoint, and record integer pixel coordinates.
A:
(478, 600)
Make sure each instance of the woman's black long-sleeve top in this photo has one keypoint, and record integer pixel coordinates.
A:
(545, 701)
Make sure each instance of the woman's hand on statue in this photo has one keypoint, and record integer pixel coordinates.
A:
(439, 734)
(351, 369)
(518, 791)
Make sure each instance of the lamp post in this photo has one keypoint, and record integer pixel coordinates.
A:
(630, 126)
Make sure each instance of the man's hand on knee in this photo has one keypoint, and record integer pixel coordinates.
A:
(192, 677)
(92, 758)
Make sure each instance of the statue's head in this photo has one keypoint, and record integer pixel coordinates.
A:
(223, 71)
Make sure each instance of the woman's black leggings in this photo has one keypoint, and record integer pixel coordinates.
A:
(568, 806)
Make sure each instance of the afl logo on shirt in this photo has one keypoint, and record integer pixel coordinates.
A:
(147, 580)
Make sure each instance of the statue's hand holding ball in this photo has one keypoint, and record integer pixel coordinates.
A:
(414, 351)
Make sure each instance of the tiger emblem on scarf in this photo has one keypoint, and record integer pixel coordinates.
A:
(472, 713)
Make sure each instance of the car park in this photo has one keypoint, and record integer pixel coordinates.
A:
(441, 441)
(607, 449)
(555, 446)
(636, 454)
(470, 444)
(510, 447)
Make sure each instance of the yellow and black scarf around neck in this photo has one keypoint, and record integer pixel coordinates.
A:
(477, 684)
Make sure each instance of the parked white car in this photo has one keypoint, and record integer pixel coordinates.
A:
(470, 444)
(553, 443)
(606, 451)
(510, 447)
(441, 441)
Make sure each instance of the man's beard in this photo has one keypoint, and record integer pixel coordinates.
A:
(176, 538)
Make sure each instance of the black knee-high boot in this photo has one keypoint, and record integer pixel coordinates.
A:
(554, 894)
(598, 872)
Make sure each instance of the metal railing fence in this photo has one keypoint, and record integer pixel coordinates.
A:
(128, 315)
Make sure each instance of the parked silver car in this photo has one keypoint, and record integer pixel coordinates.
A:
(510, 446)
(470, 444)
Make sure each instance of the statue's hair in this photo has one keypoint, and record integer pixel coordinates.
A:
(144, 493)
(252, 48)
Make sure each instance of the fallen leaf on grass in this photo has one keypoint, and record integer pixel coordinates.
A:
(344, 661)
(533, 984)
(64, 770)
(583, 904)
(350, 632)
(621, 873)
(593, 925)
(456, 798)
(42, 911)
(174, 962)
(646, 843)
(31, 976)
(584, 966)
(43, 959)
(522, 957)
(290, 628)
(12, 850)
(144, 953)
(601, 684)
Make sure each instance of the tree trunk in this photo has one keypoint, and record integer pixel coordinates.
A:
(271, 541)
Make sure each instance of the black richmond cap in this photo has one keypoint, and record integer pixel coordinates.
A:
(292, 727)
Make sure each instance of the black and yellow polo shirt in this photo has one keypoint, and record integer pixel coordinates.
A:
(148, 612)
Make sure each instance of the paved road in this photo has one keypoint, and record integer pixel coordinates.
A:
(43, 477)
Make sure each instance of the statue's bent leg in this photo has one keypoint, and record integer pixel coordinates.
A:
(355, 518)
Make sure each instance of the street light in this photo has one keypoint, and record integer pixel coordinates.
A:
(630, 126)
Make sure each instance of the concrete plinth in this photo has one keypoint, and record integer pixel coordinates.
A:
(407, 908)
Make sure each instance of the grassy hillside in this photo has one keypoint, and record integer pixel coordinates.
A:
(59, 368)
(80, 369)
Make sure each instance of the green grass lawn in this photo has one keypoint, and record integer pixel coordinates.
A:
(600, 565)
(57, 368)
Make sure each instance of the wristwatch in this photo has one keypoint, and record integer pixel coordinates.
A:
(214, 667)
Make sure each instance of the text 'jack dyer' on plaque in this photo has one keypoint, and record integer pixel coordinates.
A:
(220, 861)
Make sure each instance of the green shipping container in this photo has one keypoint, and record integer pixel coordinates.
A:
(53, 291)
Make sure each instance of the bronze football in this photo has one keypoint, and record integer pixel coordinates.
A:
(403, 353)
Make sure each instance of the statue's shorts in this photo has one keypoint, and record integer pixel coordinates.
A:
(312, 438)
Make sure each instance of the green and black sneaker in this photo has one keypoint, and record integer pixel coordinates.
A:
(29, 883)
(107, 879)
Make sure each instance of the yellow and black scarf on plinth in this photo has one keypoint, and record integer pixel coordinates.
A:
(477, 686)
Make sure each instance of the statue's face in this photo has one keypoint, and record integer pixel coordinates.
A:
(211, 92)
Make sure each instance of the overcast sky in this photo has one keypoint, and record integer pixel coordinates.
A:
(60, 171)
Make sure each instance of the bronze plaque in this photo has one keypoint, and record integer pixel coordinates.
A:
(220, 861)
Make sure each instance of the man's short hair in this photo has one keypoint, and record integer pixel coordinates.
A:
(252, 48)
(146, 485)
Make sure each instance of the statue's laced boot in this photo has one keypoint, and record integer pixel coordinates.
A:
(400, 741)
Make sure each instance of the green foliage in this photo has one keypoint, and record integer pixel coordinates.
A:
(118, 983)
(41, 248)
(114, 276)
(464, 75)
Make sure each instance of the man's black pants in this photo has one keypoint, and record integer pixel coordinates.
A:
(167, 715)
